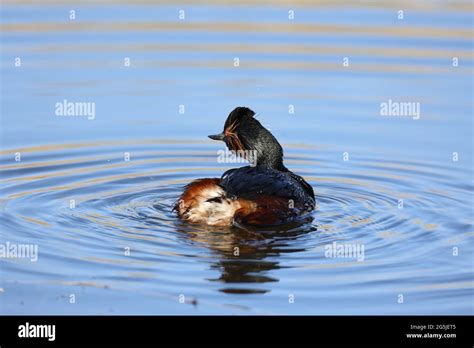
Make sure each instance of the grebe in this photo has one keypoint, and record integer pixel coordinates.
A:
(263, 194)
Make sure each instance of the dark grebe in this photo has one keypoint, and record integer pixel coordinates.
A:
(262, 195)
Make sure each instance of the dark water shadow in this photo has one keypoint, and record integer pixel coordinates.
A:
(245, 256)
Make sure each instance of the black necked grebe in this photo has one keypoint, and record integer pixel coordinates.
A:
(263, 194)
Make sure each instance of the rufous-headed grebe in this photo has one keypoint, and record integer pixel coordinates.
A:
(263, 194)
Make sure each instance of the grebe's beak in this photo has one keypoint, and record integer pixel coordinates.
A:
(220, 136)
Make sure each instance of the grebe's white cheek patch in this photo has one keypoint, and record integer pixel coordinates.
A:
(219, 213)
(210, 206)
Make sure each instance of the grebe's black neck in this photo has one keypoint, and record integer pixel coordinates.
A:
(270, 156)
(246, 135)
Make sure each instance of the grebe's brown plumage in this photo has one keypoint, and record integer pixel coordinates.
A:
(261, 195)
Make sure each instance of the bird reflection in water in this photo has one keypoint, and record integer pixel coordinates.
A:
(245, 257)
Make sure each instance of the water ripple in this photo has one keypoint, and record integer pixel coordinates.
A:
(125, 206)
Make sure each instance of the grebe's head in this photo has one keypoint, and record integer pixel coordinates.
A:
(246, 136)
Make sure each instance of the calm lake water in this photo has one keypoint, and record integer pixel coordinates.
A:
(94, 194)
